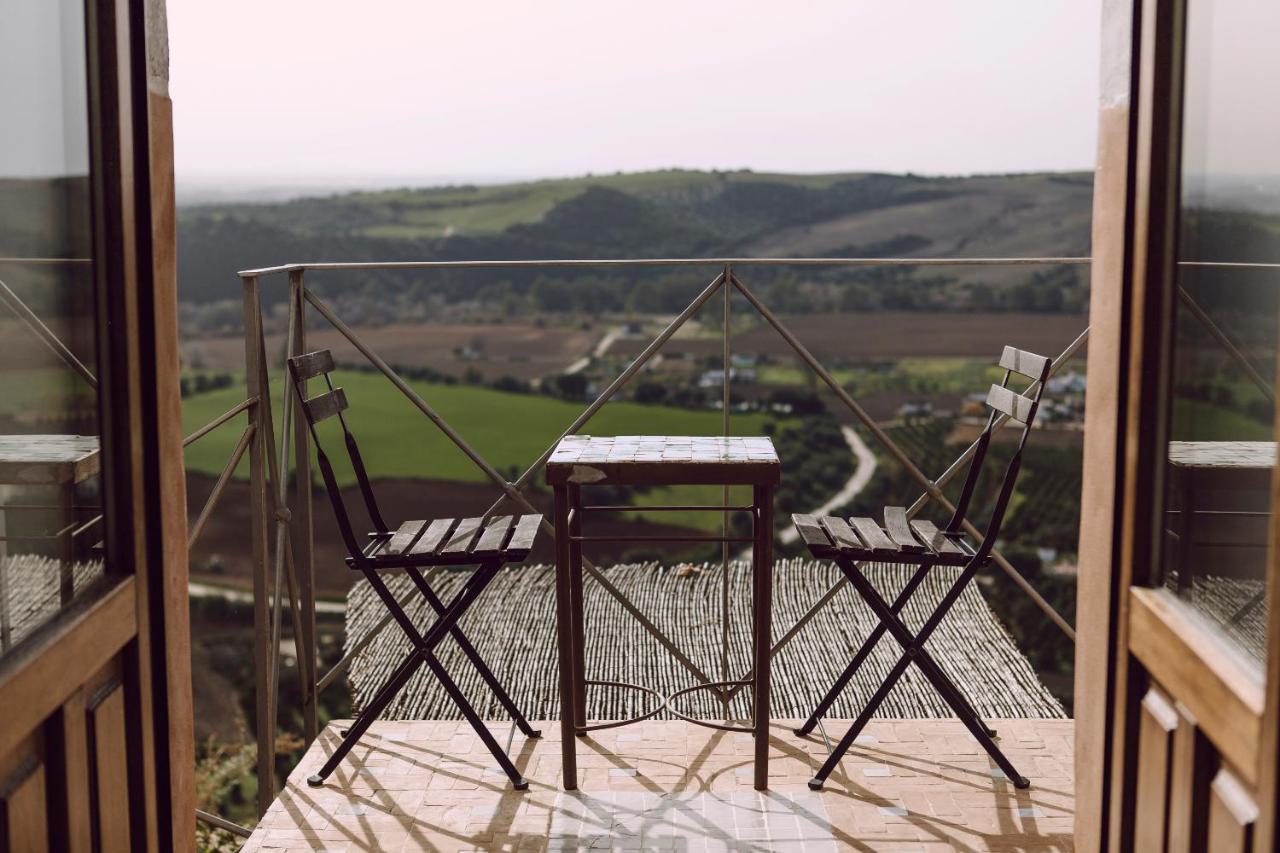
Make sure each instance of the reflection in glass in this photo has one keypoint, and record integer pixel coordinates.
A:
(1222, 449)
(50, 505)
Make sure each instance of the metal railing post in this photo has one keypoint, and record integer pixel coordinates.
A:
(726, 358)
(302, 526)
(277, 469)
(260, 504)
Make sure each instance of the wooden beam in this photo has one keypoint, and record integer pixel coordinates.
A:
(1188, 658)
(1099, 587)
(34, 686)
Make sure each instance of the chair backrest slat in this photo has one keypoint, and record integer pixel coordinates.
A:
(1020, 408)
(312, 364)
(1025, 363)
(1011, 403)
(321, 408)
(326, 405)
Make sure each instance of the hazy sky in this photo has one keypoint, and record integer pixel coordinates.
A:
(309, 89)
(42, 90)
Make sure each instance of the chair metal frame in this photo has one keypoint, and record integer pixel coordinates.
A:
(370, 562)
(945, 547)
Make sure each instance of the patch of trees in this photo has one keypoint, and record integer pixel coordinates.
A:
(200, 383)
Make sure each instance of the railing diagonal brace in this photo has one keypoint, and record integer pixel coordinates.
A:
(509, 489)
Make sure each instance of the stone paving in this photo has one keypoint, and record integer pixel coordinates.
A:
(908, 785)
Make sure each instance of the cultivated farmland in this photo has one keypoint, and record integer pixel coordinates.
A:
(509, 430)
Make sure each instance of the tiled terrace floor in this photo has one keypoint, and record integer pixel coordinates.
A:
(913, 785)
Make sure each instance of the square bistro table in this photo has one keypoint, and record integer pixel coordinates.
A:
(659, 460)
(46, 460)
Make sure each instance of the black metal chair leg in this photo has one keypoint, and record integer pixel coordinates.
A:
(468, 712)
(913, 644)
(423, 647)
(474, 656)
(904, 637)
(863, 653)
(365, 719)
(924, 659)
(877, 698)
(973, 723)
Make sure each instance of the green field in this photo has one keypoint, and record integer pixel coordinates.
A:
(1198, 420)
(45, 389)
(785, 374)
(412, 214)
(397, 441)
(913, 375)
(692, 496)
(416, 214)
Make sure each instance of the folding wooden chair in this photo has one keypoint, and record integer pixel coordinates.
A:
(413, 546)
(916, 542)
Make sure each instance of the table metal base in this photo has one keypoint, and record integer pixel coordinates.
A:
(571, 628)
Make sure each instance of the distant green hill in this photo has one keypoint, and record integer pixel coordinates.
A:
(654, 214)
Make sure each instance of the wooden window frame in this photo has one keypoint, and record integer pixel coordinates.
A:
(138, 625)
(1136, 210)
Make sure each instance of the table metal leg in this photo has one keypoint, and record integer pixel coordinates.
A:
(762, 631)
(1186, 517)
(564, 637)
(578, 611)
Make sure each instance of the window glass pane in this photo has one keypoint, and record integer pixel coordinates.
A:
(50, 527)
(1222, 449)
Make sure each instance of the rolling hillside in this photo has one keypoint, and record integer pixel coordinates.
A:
(669, 213)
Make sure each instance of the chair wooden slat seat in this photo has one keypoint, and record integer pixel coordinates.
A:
(492, 537)
(431, 538)
(404, 537)
(939, 542)
(521, 541)
(895, 524)
(842, 535)
(452, 542)
(915, 542)
(876, 539)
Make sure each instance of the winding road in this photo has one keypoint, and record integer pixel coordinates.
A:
(855, 484)
(862, 474)
(599, 352)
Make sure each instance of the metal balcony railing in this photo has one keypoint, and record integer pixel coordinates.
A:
(284, 564)
(281, 536)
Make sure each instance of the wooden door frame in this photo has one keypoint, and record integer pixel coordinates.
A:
(143, 618)
(1136, 198)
